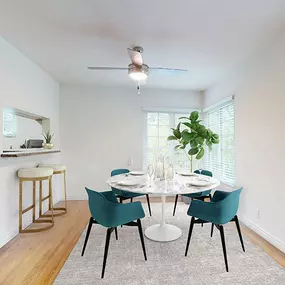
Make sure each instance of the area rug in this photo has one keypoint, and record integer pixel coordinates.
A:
(166, 262)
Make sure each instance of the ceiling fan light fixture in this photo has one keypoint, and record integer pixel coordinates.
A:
(138, 73)
(138, 76)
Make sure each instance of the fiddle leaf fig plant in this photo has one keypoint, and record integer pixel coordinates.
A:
(194, 138)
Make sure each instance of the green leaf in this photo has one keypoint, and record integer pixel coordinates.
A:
(186, 136)
(215, 141)
(199, 140)
(47, 136)
(177, 134)
(201, 130)
(209, 143)
(187, 125)
(194, 126)
(172, 138)
(200, 153)
(193, 151)
(210, 132)
(184, 118)
(177, 147)
(215, 136)
(194, 116)
(193, 143)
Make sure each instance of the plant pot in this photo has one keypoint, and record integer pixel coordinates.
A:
(47, 145)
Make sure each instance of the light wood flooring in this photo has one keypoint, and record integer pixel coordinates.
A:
(37, 258)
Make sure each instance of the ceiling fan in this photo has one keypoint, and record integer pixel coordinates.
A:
(137, 70)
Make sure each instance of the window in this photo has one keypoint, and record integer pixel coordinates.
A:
(221, 161)
(9, 125)
(158, 128)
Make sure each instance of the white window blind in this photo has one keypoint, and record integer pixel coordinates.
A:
(221, 161)
(157, 129)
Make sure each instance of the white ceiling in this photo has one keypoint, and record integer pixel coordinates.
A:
(207, 37)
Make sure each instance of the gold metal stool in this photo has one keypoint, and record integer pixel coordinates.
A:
(58, 169)
(34, 175)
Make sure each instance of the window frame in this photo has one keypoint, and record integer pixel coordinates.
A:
(172, 113)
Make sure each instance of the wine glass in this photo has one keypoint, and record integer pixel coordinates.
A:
(150, 170)
(200, 167)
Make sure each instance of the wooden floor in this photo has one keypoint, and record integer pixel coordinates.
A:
(37, 258)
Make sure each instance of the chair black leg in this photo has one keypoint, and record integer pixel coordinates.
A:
(116, 233)
(147, 197)
(189, 234)
(202, 225)
(109, 231)
(175, 204)
(212, 230)
(239, 232)
(87, 235)
(141, 237)
(131, 200)
(224, 246)
(121, 201)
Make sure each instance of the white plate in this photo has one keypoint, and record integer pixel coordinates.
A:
(199, 183)
(127, 183)
(137, 172)
(187, 173)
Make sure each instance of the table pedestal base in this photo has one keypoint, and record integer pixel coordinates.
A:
(163, 233)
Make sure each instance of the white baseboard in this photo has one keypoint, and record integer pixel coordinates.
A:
(85, 197)
(267, 236)
(77, 197)
(10, 236)
(14, 232)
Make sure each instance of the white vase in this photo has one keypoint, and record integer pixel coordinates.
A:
(47, 145)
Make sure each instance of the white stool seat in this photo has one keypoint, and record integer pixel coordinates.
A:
(34, 172)
(55, 167)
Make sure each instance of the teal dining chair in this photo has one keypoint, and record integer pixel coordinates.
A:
(125, 195)
(106, 211)
(221, 210)
(199, 195)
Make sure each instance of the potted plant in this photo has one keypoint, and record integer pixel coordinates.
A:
(194, 138)
(47, 136)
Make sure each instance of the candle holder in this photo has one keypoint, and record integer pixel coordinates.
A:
(163, 169)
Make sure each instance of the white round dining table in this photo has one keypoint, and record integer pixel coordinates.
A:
(180, 184)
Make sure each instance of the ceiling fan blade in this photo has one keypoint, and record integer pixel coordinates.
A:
(166, 70)
(106, 68)
(136, 57)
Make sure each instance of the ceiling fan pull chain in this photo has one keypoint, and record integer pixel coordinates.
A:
(138, 89)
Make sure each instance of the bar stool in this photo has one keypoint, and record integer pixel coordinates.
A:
(58, 169)
(34, 175)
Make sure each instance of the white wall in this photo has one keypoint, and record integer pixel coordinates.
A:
(101, 128)
(27, 87)
(260, 154)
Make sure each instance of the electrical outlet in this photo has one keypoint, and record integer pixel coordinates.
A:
(258, 214)
(130, 161)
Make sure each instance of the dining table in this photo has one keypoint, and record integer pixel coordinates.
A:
(181, 183)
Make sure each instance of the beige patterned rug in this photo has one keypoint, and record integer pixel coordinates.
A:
(166, 264)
